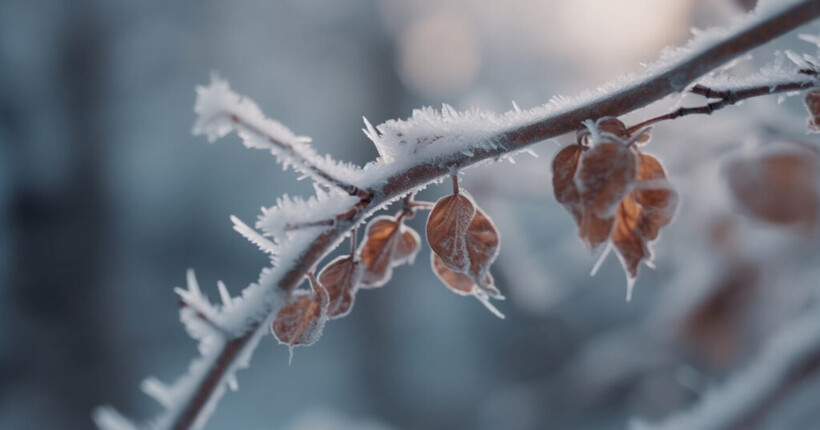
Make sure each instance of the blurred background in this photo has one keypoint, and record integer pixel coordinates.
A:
(106, 199)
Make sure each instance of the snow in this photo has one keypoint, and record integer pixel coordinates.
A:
(723, 405)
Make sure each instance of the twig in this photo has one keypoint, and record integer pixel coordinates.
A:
(726, 97)
(304, 161)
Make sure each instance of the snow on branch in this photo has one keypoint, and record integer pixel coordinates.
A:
(789, 358)
(413, 154)
(221, 110)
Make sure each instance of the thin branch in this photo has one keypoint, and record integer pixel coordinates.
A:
(726, 97)
(207, 387)
(304, 161)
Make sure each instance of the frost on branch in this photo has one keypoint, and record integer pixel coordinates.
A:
(220, 110)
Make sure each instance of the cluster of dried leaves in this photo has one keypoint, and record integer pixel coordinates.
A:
(615, 192)
(387, 243)
(464, 243)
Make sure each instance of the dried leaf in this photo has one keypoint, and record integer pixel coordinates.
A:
(595, 230)
(300, 321)
(447, 227)
(655, 195)
(778, 184)
(464, 238)
(388, 243)
(641, 215)
(812, 102)
(606, 174)
(340, 278)
(627, 237)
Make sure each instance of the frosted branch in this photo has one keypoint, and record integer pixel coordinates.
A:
(413, 153)
(221, 110)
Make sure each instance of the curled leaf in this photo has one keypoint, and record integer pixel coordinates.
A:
(777, 184)
(340, 278)
(300, 321)
(388, 243)
(812, 102)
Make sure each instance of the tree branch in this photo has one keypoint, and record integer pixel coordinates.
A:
(726, 97)
(205, 383)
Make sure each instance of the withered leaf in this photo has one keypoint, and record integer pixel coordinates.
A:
(655, 195)
(606, 173)
(593, 229)
(778, 184)
(340, 278)
(812, 102)
(642, 213)
(300, 321)
(463, 237)
(627, 237)
(447, 227)
(388, 243)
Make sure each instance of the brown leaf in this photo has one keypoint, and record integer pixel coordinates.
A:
(464, 238)
(340, 278)
(657, 198)
(387, 244)
(595, 230)
(778, 184)
(300, 321)
(447, 227)
(627, 237)
(606, 174)
(812, 102)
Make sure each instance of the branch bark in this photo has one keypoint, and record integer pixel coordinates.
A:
(641, 92)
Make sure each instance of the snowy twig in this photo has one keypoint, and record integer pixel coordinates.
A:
(413, 154)
(726, 97)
